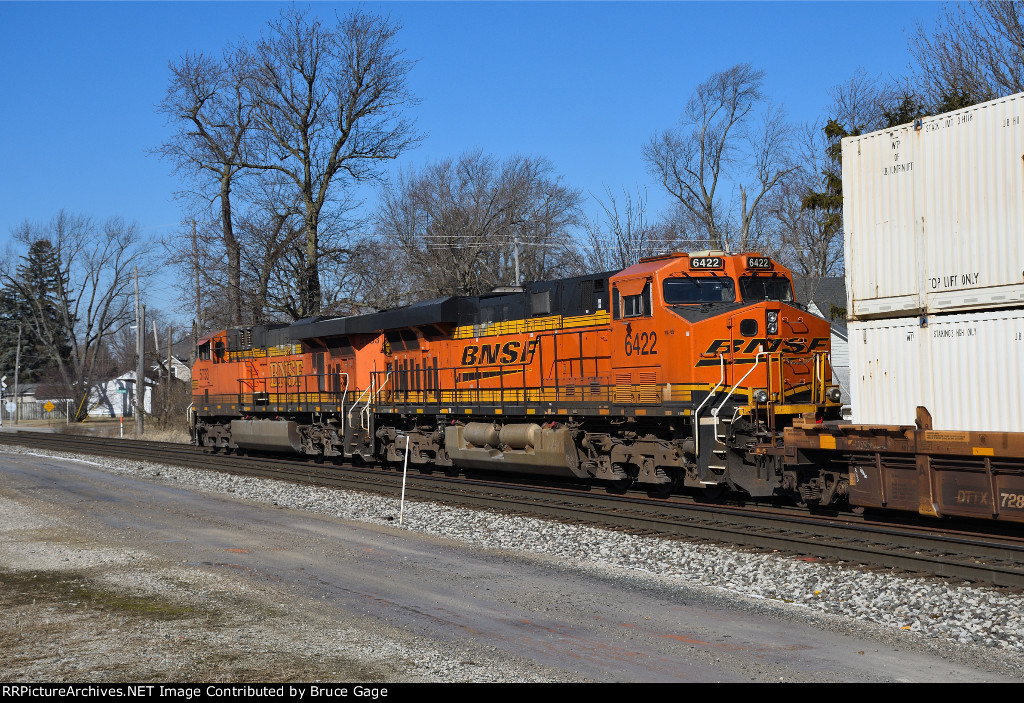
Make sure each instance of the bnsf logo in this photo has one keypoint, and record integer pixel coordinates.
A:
(498, 353)
(793, 346)
(284, 373)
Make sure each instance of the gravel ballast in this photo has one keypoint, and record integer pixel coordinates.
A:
(937, 613)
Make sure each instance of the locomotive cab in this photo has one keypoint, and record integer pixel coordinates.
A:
(723, 338)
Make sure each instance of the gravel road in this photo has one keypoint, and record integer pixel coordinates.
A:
(128, 571)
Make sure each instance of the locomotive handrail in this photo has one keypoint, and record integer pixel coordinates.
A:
(344, 395)
(359, 399)
(364, 415)
(504, 391)
(696, 413)
(715, 411)
(818, 389)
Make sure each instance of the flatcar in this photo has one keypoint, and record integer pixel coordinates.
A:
(680, 371)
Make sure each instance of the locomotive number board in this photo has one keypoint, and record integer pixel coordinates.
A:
(707, 262)
(760, 263)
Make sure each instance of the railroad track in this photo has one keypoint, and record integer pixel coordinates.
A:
(945, 549)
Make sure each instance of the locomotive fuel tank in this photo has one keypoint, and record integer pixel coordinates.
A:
(521, 448)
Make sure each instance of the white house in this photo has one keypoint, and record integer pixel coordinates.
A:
(179, 368)
(117, 397)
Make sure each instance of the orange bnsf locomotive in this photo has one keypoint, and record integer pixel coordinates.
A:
(680, 371)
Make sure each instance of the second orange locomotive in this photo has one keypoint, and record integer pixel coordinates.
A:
(682, 370)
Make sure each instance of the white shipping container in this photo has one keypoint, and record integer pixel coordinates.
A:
(967, 369)
(933, 213)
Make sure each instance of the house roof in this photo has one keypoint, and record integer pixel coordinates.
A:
(23, 388)
(181, 350)
(828, 293)
(129, 376)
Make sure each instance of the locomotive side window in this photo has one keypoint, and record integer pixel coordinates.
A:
(218, 351)
(204, 351)
(694, 289)
(639, 305)
(632, 306)
(765, 288)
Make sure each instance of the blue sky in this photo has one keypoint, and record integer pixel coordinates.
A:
(584, 84)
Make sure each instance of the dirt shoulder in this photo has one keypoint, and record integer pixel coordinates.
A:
(72, 609)
(79, 603)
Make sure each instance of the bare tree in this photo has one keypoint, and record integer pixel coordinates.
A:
(804, 220)
(94, 292)
(329, 103)
(269, 229)
(208, 104)
(859, 102)
(622, 233)
(975, 53)
(721, 139)
(808, 210)
(197, 251)
(464, 226)
(380, 276)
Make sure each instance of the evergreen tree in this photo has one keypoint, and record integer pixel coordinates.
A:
(31, 302)
(828, 202)
(13, 310)
(904, 108)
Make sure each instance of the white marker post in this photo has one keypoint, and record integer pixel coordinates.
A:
(405, 471)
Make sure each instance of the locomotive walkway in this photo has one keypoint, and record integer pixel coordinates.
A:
(982, 553)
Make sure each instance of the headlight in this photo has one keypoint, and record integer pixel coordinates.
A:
(771, 322)
(761, 396)
(834, 394)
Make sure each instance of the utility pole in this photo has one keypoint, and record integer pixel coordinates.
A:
(140, 351)
(17, 372)
(167, 391)
(156, 355)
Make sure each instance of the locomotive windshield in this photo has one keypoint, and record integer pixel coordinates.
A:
(694, 289)
(765, 288)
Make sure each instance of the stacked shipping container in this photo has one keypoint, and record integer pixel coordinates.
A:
(934, 219)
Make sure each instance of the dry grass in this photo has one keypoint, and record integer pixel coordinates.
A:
(152, 432)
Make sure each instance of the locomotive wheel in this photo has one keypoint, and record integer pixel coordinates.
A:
(661, 490)
(619, 486)
(716, 491)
